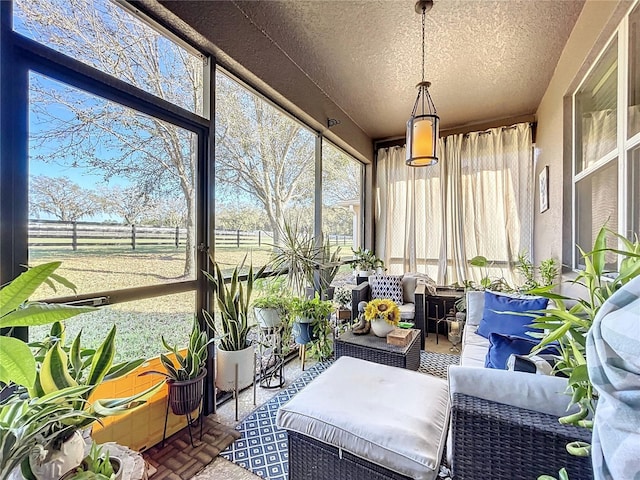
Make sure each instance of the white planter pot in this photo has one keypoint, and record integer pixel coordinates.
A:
(58, 462)
(226, 368)
(365, 273)
(380, 328)
(267, 317)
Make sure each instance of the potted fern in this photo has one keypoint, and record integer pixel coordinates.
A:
(234, 350)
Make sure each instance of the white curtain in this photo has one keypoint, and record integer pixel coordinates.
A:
(477, 201)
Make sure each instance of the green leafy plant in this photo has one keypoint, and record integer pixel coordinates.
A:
(568, 323)
(97, 462)
(27, 423)
(317, 312)
(279, 302)
(190, 365)
(312, 309)
(342, 297)
(562, 475)
(17, 363)
(365, 259)
(233, 302)
(295, 256)
(60, 366)
(547, 271)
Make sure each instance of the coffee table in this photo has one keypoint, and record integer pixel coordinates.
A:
(376, 349)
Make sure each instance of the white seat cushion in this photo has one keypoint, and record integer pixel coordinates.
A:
(390, 416)
(474, 348)
(407, 311)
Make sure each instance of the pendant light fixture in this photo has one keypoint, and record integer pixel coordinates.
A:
(423, 128)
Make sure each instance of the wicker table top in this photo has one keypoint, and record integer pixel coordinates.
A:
(371, 341)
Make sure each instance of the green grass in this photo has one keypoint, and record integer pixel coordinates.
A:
(139, 323)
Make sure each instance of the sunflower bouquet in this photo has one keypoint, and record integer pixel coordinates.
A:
(383, 309)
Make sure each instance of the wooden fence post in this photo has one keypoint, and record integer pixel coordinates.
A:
(259, 237)
(74, 236)
(177, 236)
(133, 237)
(238, 238)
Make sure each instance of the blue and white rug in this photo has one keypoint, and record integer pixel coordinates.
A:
(262, 447)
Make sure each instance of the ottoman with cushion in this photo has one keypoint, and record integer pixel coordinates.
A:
(363, 420)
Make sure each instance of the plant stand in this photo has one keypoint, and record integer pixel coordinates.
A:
(184, 397)
(270, 368)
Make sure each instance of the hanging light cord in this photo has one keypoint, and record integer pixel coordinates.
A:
(424, 12)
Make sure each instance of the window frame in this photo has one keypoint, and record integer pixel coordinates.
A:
(624, 145)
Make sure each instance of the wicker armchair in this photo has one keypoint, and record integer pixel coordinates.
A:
(504, 425)
(413, 293)
(498, 441)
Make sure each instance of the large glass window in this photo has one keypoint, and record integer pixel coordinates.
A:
(109, 188)
(103, 35)
(112, 189)
(633, 112)
(265, 164)
(606, 155)
(596, 111)
(342, 177)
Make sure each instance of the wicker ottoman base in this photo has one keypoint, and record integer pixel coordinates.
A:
(310, 459)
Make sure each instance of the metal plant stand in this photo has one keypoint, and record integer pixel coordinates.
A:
(269, 357)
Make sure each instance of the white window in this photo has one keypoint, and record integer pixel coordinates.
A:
(606, 125)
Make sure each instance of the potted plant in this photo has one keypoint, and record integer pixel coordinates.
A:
(233, 329)
(309, 262)
(342, 297)
(185, 376)
(57, 367)
(310, 315)
(270, 309)
(97, 465)
(384, 315)
(366, 262)
(569, 322)
(30, 424)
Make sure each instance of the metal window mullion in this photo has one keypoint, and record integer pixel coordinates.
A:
(623, 82)
(58, 66)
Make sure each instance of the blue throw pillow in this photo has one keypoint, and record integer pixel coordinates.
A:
(503, 346)
(505, 323)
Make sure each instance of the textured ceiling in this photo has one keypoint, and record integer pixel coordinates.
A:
(486, 59)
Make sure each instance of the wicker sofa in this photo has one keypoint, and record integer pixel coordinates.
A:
(504, 424)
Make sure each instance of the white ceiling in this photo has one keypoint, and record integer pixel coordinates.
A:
(486, 59)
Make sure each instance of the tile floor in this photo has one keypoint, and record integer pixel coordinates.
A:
(221, 468)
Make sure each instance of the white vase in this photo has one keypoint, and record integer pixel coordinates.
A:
(58, 462)
(381, 328)
(267, 317)
(226, 362)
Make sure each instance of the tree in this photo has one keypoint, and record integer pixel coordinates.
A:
(129, 203)
(73, 129)
(262, 153)
(61, 198)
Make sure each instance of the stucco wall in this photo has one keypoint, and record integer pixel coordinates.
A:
(593, 28)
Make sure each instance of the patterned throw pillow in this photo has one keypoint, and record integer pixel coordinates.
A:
(386, 286)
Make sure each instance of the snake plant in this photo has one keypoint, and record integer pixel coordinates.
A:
(190, 365)
(233, 303)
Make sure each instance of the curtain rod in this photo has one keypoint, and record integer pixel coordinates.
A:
(486, 132)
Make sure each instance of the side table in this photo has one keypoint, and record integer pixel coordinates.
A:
(376, 349)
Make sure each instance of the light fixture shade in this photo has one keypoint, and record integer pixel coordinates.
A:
(422, 140)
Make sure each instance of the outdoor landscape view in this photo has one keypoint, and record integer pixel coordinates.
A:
(112, 190)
